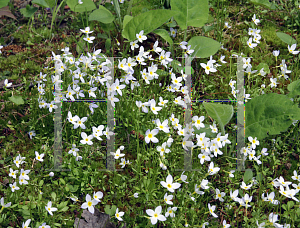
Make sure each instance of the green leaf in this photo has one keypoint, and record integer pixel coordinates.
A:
(203, 46)
(51, 3)
(87, 5)
(248, 175)
(147, 21)
(53, 195)
(259, 177)
(3, 3)
(18, 100)
(290, 204)
(208, 132)
(164, 34)
(127, 18)
(108, 44)
(28, 11)
(269, 113)
(222, 113)
(65, 208)
(264, 3)
(41, 183)
(286, 38)
(190, 12)
(62, 181)
(42, 3)
(102, 14)
(107, 27)
(265, 66)
(294, 89)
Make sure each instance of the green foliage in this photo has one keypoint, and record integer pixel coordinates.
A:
(28, 11)
(45, 3)
(222, 113)
(4, 3)
(269, 113)
(294, 89)
(248, 175)
(203, 46)
(147, 21)
(102, 15)
(16, 99)
(190, 12)
(87, 5)
(265, 3)
(164, 34)
(286, 38)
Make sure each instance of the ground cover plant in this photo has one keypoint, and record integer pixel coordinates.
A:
(147, 85)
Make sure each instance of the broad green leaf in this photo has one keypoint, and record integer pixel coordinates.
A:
(290, 204)
(190, 12)
(45, 3)
(286, 38)
(222, 113)
(127, 18)
(147, 21)
(87, 5)
(3, 3)
(65, 208)
(265, 66)
(208, 132)
(248, 175)
(164, 34)
(52, 3)
(28, 11)
(102, 14)
(294, 89)
(269, 113)
(41, 183)
(203, 46)
(259, 177)
(53, 195)
(264, 3)
(107, 27)
(18, 100)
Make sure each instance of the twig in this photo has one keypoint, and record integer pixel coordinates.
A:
(32, 163)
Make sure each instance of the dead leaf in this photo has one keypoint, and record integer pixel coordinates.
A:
(4, 11)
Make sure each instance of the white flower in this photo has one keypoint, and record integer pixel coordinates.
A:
(169, 184)
(211, 210)
(26, 224)
(89, 203)
(6, 83)
(292, 49)
(208, 67)
(86, 139)
(49, 208)
(39, 156)
(155, 215)
(119, 214)
(273, 82)
(226, 25)
(255, 20)
(44, 225)
(173, 32)
(86, 30)
(167, 199)
(150, 136)
(250, 44)
(31, 133)
(98, 195)
(141, 37)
